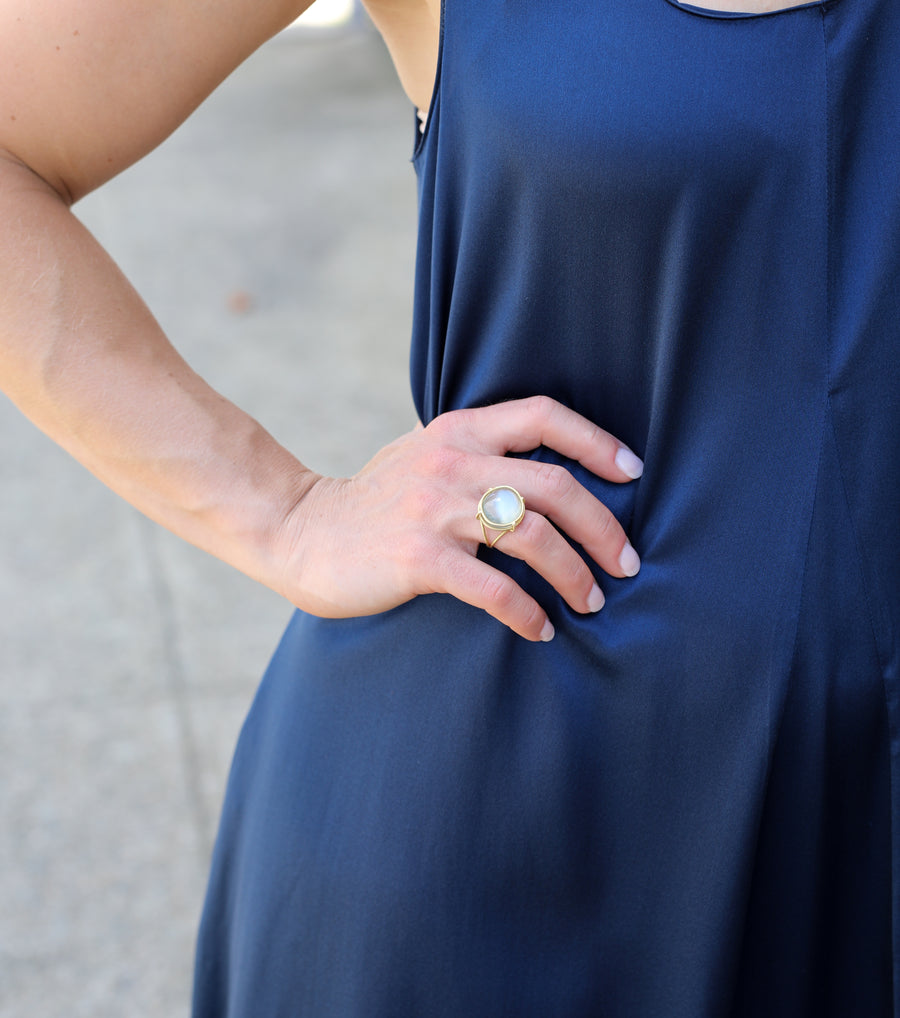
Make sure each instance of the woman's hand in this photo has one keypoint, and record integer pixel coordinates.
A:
(82, 356)
(406, 524)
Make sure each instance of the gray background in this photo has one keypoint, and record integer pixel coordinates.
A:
(273, 237)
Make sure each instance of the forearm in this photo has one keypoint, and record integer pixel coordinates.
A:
(82, 356)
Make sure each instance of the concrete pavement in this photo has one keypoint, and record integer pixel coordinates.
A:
(273, 237)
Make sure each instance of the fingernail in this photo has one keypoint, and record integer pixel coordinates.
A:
(596, 600)
(629, 560)
(628, 463)
(548, 632)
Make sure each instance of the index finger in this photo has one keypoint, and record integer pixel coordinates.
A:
(524, 424)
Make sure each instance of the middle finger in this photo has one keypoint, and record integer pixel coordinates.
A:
(552, 491)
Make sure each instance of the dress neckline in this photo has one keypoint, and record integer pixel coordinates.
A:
(708, 12)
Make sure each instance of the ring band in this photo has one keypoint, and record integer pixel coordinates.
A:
(501, 510)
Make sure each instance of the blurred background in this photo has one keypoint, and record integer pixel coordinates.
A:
(330, 14)
(272, 235)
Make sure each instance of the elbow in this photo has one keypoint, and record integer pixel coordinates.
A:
(16, 171)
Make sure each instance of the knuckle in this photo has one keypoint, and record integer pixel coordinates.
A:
(541, 406)
(576, 576)
(439, 425)
(466, 418)
(590, 433)
(556, 482)
(452, 423)
(538, 533)
(608, 529)
(498, 591)
(533, 619)
(444, 462)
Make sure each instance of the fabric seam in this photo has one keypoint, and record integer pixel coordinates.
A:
(890, 713)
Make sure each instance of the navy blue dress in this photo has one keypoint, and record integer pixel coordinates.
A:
(686, 226)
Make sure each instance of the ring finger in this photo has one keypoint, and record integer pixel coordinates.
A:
(536, 541)
(551, 491)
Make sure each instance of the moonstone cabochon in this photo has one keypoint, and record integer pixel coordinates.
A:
(502, 507)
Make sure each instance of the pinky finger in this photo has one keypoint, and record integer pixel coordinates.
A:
(482, 586)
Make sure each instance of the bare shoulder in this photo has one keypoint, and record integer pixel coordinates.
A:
(89, 86)
(411, 30)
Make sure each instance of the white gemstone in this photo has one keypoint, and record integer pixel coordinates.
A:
(502, 507)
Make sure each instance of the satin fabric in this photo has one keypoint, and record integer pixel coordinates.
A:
(686, 226)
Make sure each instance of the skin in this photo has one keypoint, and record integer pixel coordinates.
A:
(87, 87)
(748, 6)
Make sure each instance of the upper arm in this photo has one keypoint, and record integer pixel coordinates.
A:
(87, 87)
(411, 30)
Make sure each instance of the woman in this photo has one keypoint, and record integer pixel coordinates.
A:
(463, 788)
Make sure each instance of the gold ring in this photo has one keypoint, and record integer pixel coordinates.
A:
(501, 509)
